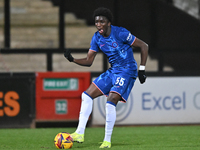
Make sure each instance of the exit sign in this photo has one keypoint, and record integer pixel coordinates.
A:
(60, 84)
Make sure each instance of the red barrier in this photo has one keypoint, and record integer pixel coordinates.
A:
(58, 95)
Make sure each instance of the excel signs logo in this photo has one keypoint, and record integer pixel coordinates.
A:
(197, 100)
(122, 109)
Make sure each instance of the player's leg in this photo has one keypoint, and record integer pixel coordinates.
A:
(97, 88)
(86, 107)
(85, 111)
(123, 84)
(111, 103)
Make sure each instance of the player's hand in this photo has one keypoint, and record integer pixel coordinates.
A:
(67, 54)
(142, 75)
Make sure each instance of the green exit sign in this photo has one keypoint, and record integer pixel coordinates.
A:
(60, 84)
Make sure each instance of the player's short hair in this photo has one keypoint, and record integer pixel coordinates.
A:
(102, 11)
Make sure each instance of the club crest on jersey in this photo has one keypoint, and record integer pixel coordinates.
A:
(114, 44)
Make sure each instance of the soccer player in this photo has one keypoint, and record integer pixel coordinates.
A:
(116, 83)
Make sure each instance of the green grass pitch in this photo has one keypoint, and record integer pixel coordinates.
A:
(124, 138)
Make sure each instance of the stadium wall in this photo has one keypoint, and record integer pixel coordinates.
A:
(165, 99)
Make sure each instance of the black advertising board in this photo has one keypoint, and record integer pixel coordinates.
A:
(17, 99)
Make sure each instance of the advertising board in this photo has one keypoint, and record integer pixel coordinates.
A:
(160, 100)
(17, 99)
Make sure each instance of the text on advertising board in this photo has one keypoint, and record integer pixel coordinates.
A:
(150, 102)
(8, 104)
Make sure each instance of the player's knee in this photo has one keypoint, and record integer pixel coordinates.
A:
(114, 98)
(85, 95)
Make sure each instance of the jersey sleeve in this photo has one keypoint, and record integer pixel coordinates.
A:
(126, 36)
(93, 44)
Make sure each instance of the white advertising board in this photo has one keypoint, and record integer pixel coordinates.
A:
(160, 100)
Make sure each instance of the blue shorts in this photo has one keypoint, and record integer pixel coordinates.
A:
(119, 81)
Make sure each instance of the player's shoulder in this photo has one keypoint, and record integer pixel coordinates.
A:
(121, 32)
(119, 29)
(96, 35)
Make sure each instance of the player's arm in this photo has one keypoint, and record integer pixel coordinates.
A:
(87, 61)
(144, 54)
(144, 50)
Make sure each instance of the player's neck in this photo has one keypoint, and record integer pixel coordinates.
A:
(108, 32)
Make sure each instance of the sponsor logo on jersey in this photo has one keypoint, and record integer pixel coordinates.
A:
(129, 38)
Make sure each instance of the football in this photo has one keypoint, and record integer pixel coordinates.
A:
(63, 140)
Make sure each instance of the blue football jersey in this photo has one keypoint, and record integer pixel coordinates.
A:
(117, 47)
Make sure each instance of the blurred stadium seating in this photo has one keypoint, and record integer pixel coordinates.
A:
(171, 33)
